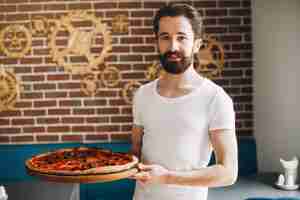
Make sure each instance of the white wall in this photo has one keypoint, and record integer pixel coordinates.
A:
(276, 39)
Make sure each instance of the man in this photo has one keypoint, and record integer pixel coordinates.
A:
(180, 118)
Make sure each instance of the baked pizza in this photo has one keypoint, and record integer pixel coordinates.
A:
(81, 161)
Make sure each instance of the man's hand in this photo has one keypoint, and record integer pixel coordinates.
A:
(151, 174)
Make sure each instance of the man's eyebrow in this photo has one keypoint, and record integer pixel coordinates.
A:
(178, 33)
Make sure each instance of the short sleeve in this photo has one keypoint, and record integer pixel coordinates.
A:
(222, 115)
(136, 108)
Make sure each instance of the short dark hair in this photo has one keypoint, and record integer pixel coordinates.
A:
(173, 10)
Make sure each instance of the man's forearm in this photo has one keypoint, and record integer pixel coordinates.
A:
(212, 176)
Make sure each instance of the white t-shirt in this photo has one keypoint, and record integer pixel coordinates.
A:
(176, 134)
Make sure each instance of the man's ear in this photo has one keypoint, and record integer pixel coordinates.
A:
(197, 44)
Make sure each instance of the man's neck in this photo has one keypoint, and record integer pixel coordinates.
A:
(179, 81)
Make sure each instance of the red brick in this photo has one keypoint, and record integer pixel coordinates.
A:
(48, 120)
(241, 81)
(215, 12)
(10, 113)
(22, 70)
(246, 4)
(21, 139)
(83, 111)
(143, 13)
(34, 112)
(8, 8)
(59, 111)
(129, 5)
(97, 137)
(32, 95)
(55, 7)
(17, 17)
(56, 129)
(48, 103)
(108, 128)
(240, 29)
(120, 49)
(22, 121)
(69, 103)
(227, 4)
(209, 21)
(151, 40)
(242, 46)
(58, 77)
(109, 111)
(126, 128)
(72, 138)
(8, 61)
(152, 58)
(121, 119)
(232, 55)
(47, 138)
(51, 95)
(117, 102)
(154, 4)
(83, 129)
(135, 22)
(142, 49)
(79, 6)
(4, 139)
(115, 13)
(95, 102)
(77, 94)
(230, 38)
(217, 29)
(69, 85)
(44, 86)
(34, 129)
(120, 137)
(132, 58)
(23, 104)
(32, 78)
(4, 122)
(29, 7)
(4, 130)
(41, 52)
(240, 12)
(72, 120)
(105, 5)
(229, 21)
(126, 111)
(131, 40)
(97, 120)
(205, 4)
(133, 75)
(105, 93)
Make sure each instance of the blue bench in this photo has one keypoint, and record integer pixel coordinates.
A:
(12, 167)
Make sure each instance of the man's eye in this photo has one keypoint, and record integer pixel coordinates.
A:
(181, 38)
(164, 37)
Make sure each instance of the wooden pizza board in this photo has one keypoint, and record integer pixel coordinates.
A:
(90, 178)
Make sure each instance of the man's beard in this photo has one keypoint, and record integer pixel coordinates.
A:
(175, 67)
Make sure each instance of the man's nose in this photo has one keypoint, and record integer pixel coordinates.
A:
(174, 45)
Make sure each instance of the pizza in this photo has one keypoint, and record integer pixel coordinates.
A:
(81, 161)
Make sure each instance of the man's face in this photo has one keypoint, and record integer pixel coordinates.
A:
(175, 43)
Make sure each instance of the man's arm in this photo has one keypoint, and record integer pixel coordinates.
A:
(223, 173)
(136, 140)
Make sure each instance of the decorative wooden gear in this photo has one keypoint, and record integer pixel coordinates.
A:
(40, 26)
(9, 89)
(111, 76)
(15, 40)
(129, 90)
(210, 64)
(80, 42)
(154, 71)
(120, 24)
(89, 84)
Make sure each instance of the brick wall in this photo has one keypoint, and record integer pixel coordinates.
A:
(53, 109)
